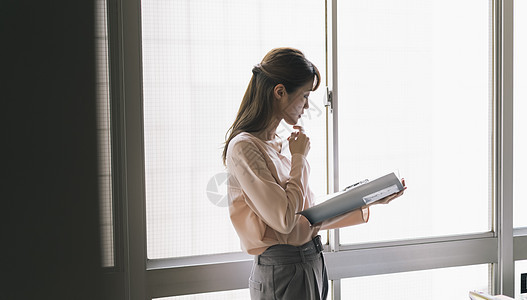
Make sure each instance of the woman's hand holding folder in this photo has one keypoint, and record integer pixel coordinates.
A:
(391, 197)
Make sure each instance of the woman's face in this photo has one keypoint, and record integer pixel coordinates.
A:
(292, 105)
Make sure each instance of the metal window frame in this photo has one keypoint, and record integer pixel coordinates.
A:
(146, 279)
(127, 281)
(520, 243)
(116, 278)
(503, 98)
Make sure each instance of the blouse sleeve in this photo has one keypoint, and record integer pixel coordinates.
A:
(275, 205)
(354, 217)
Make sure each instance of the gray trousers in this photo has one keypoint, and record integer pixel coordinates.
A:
(289, 272)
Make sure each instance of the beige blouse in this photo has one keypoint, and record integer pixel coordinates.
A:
(266, 190)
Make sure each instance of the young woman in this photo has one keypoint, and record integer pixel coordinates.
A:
(266, 189)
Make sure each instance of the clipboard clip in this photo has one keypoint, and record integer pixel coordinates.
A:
(356, 184)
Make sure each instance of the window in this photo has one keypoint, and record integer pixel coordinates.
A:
(436, 284)
(520, 110)
(227, 295)
(414, 99)
(415, 95)
(197, 61)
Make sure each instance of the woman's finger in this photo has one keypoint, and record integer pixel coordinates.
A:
(300, 128)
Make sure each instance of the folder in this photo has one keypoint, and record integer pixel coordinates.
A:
(353, 197)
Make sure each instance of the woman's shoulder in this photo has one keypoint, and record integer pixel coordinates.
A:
(245, 146)
(248, 140)
(243, 140)
(243, 136)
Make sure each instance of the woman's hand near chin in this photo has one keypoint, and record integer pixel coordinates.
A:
(299, 141)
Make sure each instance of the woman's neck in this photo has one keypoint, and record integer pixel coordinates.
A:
(268, 133)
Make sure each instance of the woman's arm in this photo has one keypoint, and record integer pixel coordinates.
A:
(351, 218)
(275, 205)
(358, 216)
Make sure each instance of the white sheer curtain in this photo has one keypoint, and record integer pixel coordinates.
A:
(197, 62)
(104, 135)
(520, 111)
(414, 82)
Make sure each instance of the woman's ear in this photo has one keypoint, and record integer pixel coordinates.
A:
(279, 91)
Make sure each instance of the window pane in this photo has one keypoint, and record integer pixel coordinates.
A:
(197, 62)
(103, 135)
(447, 283)
(520, 111)
(225, 295)
(414, 99)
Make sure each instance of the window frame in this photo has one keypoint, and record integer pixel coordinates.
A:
(140, 278)
(115, 278)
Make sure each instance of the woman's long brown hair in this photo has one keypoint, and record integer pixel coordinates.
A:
(287, 66)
